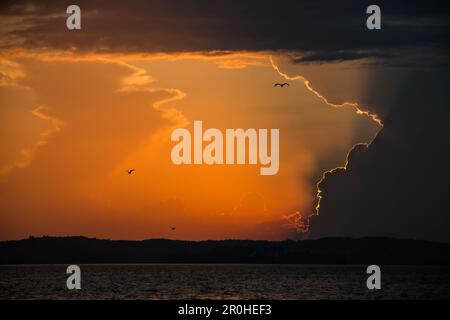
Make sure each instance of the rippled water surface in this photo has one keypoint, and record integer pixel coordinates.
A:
(183, 281)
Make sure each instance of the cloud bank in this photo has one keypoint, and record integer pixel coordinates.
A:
(318, 31)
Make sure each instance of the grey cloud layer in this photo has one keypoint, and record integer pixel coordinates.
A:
(321, 30)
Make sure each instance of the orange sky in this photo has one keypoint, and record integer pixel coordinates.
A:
(71, 127)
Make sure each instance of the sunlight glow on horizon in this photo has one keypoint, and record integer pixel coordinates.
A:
(110, 113)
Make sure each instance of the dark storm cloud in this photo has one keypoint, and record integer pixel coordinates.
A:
(339, 55)
(399, 185)
(323, 30)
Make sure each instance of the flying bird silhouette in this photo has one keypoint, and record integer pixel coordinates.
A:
(173, 228)
(281, 84)
(130, 171)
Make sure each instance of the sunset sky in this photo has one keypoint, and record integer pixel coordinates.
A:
(79, 108)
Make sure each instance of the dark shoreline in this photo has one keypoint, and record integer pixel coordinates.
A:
(62, 250)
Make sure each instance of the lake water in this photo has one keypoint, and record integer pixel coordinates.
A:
(211, 281)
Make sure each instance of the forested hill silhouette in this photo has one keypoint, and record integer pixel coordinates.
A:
(321, 251)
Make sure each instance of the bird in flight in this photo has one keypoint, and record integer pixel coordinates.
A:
(281, 84)
(130, 171)
(173, 228)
